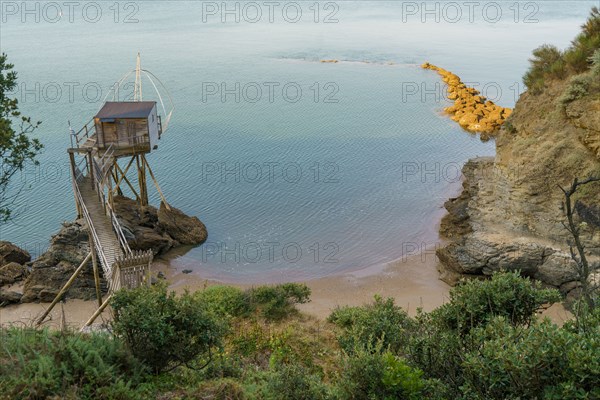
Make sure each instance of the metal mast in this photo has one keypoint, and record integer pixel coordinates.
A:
(137, 93)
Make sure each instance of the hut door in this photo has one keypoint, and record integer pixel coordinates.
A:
(110, 133)
(131, 132)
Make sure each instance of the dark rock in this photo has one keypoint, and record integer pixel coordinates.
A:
(161, 275)
(68, 248)
(9, 297)
(181, 227)
(187, 271)
(148, 238)
(12, 272)
(11, 253)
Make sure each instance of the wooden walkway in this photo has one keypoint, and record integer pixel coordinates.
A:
(101, 224)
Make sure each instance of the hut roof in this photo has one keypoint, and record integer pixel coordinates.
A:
(125, 109)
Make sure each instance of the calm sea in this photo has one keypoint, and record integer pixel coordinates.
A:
(298, 168)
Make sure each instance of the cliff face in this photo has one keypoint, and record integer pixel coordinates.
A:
(510, 213)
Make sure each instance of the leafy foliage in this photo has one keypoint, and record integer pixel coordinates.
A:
(162, 330)
(16, 147)
(225, 300)
(549, 63)
(506, 294)
(374, 373)
(37, 364)
(381, 321)
(542, 360)
(278, 301)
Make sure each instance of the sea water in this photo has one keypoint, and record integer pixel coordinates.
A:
(298, 168)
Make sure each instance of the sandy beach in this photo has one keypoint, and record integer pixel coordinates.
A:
(413, 282)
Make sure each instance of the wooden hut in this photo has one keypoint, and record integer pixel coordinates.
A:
(131, 127)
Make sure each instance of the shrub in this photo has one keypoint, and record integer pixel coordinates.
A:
(541, 361)
(578, 87)
(162, 330)
(382, 321)
(278, 301)
(294, 382)
(442, 338)
(224, 300)
(547, 61)
(506, 294)
(550, 63)
(371, 373)
(42, 364)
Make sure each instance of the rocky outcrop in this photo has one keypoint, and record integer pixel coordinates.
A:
(471, 110)
(182, 228)
(510, 214)
(158, 230)
(49, 272)
(11, 253)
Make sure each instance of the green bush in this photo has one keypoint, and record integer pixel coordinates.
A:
(541, 361)
(278, 301)
(382, 321)
(294, 382)
(225, 300)
(372, 373)
(578, 87)
(162, 330)
(506, 294)
(441, 339)
(38, 364)
(548, 62)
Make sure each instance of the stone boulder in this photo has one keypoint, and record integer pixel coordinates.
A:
(11, 273)
(182, 228)
(557, 270)
(11, 253)
(9, 297)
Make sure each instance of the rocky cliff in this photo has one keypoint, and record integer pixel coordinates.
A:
(156, 229)
(510, 214)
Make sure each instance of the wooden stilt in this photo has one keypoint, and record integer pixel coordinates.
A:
(142, 180)
(64, 288)
(97, 313)
(72, 158)
(156, 183)
(96, 274)
(123, 172)
(124, 178)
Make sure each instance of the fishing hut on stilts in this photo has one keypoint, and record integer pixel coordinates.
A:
(104, 154)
